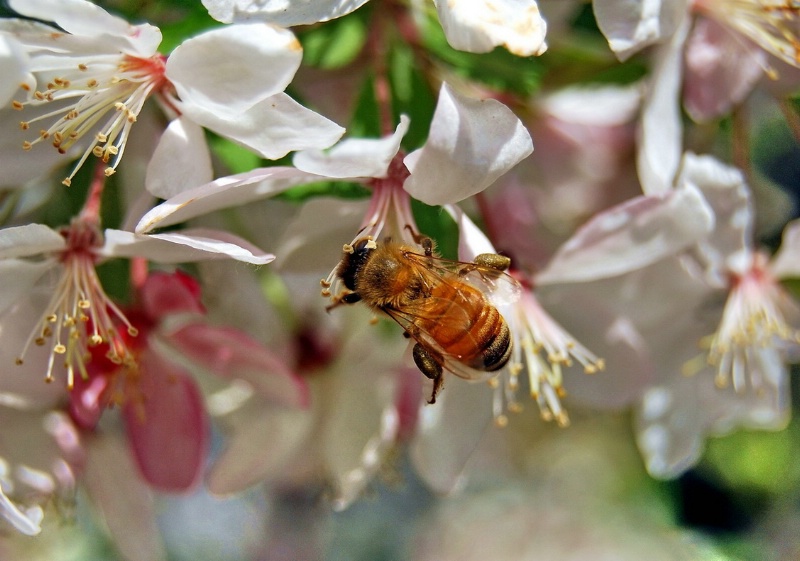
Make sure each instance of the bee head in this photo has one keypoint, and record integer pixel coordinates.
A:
(353, 259)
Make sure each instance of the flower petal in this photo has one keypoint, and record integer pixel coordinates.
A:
(82, 18)
(786, 262)
(673, 420)
(298, 12)
(184, 246)
(18, 276)
(448, 433)
(631, 236)
(630, 25)
(26, 522)
(164, 294)
(354, 157)
(471, 143)
(29, 240)
(478, 26)
(272, 127)
(181, 160)
(661, 130)
(232, 354)
(261, 443)
(222, 193)
(167, 426)
(123, 500)
(728, 247)
(13, 68)
(312, 243)
(721, 69)
(229, 69)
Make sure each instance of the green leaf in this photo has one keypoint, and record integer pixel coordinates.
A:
(437, 224)
(411, 94)
(335, 43)
(340, 189)
(237, 158)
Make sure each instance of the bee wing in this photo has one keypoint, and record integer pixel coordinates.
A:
(457, 319)
(500, 287)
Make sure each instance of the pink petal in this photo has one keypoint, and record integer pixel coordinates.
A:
(631, 236)
(164, 294)
(721, 69)
(167, 427)
(231, 354)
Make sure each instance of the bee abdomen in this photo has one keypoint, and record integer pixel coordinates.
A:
(498, 348)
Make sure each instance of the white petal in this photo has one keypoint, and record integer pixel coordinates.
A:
(222, 193)
(354, 157)
(183, 246)
(724, 188)
(229, 69)
(674, 420)
(312, 243)
(273, 127)
(631, 236)
(29, 240)
(449, 432)
(786, 263)
(471, 143)
(83, 18)
(25, 522)
(471, 240)
(13, 68)
(296, 12)
(263, 440)
(181, 160)
(18, 276)
(363, 422)
(478, 26)
(661, 130)
(630, 25)
(122, 498)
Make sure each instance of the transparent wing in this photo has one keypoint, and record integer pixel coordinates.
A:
(498, 286)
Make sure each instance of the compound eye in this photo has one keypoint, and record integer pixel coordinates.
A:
(351, 298)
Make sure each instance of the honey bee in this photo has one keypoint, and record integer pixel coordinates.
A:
(441, 304)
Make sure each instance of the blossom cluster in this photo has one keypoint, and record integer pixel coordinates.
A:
(642, 264)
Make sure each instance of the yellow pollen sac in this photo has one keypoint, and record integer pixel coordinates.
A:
(132, 331)
(17, 105)
(24, 125)
(95, 340)
(108, 172)
(18, 361)
(60, 349)
(82, 67)
(84, 304)
(66, 182)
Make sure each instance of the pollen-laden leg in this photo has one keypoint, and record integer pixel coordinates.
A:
(488, 264)
(430, 364)
(344, 297)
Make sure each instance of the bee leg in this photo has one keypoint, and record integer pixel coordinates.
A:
(422, 240)
(493, 261)
(430, 364)
(344, 297)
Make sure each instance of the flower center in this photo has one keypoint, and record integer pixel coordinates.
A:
(79, 315)
(102, 96)
(542, 348)
(753, 322)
